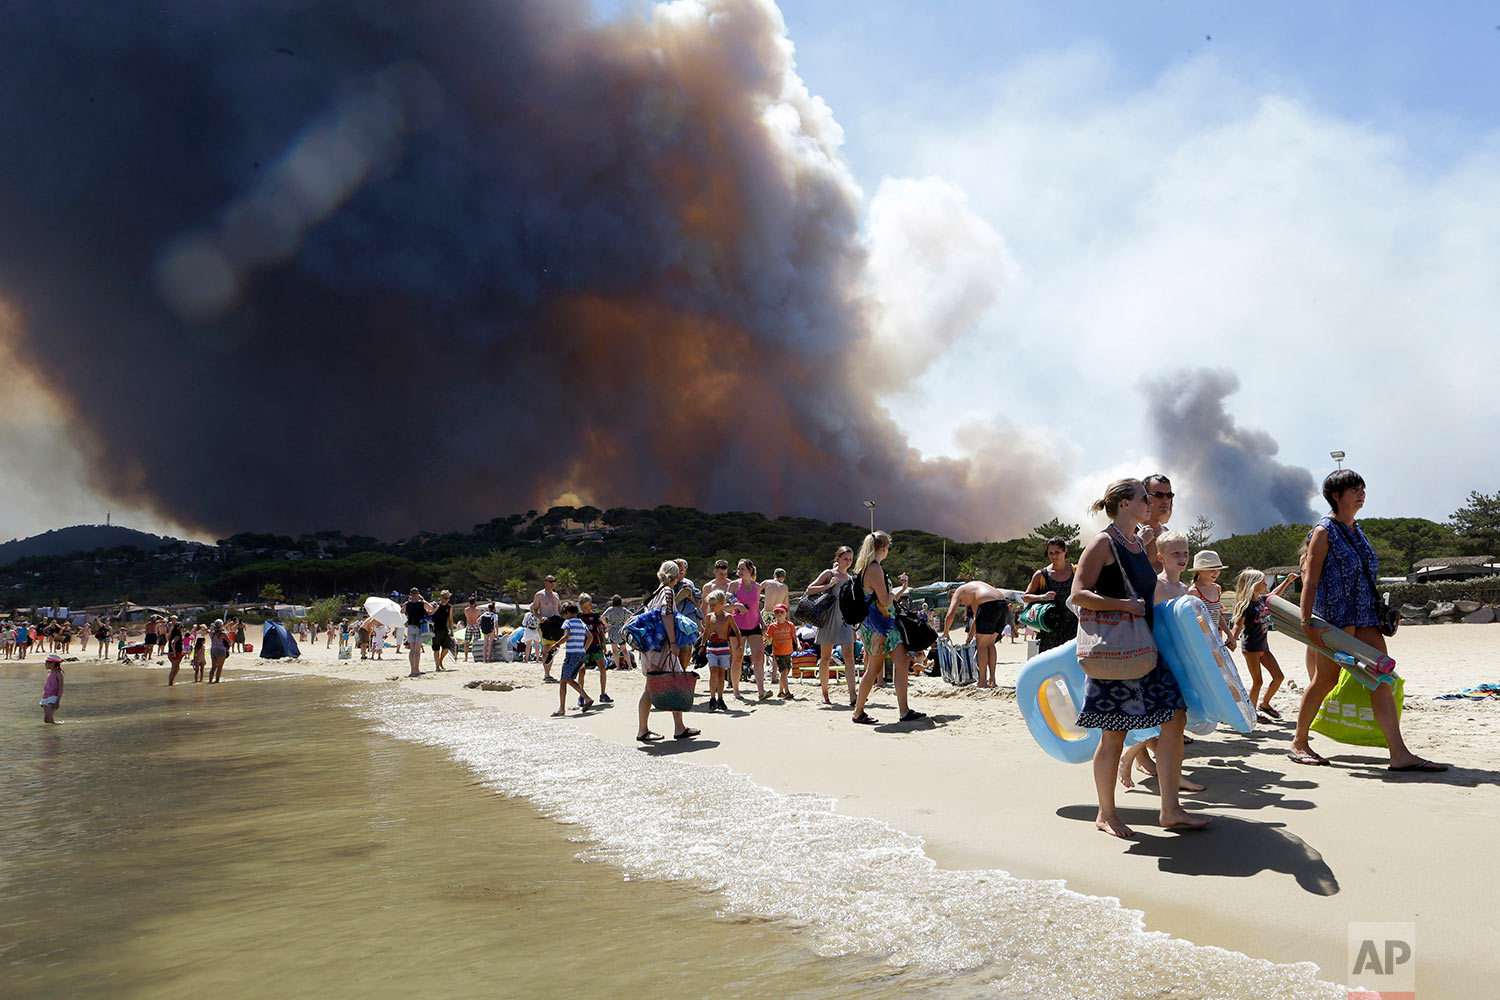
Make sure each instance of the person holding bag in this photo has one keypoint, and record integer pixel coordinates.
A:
(664, 660)
(1129, 685)
(1338, 585)
(835, 631)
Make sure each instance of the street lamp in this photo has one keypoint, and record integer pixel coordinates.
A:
(1338, 457)
(871, 504)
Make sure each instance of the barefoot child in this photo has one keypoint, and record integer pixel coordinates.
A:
(52, 689)
(200, 659)
(575, 638)
(1253, 619)
(783, 642)
(718, 629)
(1172, 548)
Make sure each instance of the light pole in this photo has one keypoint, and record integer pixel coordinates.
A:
(871, 504)
(1338, 457)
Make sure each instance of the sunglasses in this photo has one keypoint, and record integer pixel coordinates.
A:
(1162, 496)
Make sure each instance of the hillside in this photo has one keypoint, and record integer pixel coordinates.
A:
(79, 538)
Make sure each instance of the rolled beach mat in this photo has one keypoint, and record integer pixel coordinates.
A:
(1370, 666)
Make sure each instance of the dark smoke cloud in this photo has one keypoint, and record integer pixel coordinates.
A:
(1231, 470)
(385, 266)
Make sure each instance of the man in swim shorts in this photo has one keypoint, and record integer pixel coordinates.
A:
(990, 611)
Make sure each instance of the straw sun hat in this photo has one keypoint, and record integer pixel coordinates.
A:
(1207, 559)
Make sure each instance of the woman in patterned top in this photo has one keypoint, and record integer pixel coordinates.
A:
(1338, 585)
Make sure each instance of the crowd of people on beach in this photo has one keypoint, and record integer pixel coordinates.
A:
(733, 627)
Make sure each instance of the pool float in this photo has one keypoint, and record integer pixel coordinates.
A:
(1364, 662)
(1051, 685)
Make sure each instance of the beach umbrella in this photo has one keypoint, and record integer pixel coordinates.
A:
(384, 610)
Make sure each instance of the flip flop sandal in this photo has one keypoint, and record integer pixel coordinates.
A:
(1421, 765)
(649, 737)
(688, 734)
(912, 716)
(1310, 758)
(863, 719)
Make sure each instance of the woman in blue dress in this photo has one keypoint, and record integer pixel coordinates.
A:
(1116, 707)
(1338, 585)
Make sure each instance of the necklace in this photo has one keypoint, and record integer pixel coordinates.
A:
(1132, 544)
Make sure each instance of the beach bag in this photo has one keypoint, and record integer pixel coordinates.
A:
(1114, 645)
(814, 609)
(344, 654)
(958, 664)
(917, 633)
(486, 623)
(854, 604)
(669, 687)
(1346, 715)
(551, 628)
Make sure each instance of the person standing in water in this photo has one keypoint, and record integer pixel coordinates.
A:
(52, 689)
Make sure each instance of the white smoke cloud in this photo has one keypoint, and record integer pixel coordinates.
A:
(1343, 273)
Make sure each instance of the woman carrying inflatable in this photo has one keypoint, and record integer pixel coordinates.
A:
(1113, 566)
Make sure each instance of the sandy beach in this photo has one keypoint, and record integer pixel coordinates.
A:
(1294, 854)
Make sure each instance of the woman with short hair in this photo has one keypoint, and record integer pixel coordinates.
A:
(1338, 585)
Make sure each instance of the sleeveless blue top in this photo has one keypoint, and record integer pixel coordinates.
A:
(1345, 595)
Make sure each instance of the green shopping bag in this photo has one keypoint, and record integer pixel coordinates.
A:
(1346, 715)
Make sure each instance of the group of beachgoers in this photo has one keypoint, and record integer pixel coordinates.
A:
(1135, 563)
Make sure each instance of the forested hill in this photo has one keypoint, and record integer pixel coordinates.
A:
(79, 538)
(606, 552)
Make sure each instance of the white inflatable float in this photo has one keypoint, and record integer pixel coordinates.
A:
(1051, 686)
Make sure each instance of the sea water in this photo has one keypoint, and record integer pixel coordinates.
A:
(261, 838)
(299, 836)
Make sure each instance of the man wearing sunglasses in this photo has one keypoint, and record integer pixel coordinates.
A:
(1159, 493)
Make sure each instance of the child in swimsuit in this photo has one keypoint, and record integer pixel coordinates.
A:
(718, 627)
(52, 689)
(200, 659)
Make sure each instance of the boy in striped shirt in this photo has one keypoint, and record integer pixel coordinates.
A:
(574, 641)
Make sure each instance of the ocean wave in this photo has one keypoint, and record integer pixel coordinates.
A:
(856, 885)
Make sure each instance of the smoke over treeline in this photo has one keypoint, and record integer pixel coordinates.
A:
(1233, 470)
(291, 264)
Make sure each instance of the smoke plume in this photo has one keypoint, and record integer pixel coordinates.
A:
(1232, 471)
(293, 264)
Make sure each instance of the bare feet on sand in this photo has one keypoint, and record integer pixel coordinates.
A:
(1113, 826)
(1184, 819)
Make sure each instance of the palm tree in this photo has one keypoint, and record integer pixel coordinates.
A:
(516, 587)
(271, 593)
(567, 580)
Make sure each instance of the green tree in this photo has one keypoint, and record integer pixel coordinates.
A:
(1200, 534)
(516, 588)
(1408, 539)
(1056, 527)
(271, 593)
(968, 569)
(1477, 523)
(567, 580)
(326, 610)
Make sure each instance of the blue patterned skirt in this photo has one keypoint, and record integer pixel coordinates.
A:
(1139, 704)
